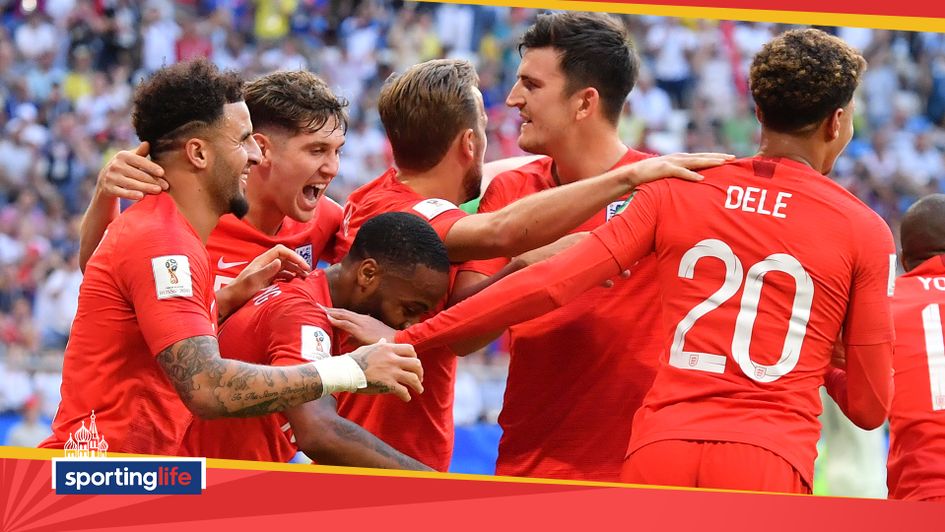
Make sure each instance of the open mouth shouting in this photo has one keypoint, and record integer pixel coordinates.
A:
(311, 193)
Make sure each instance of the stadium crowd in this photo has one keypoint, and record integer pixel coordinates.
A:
(67, 70)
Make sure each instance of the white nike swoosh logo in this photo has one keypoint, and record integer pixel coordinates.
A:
(227, 265)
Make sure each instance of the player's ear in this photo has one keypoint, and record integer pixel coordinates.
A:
(198, 152)
(587, 102)
(833, 124)
(265, 148)
(467, 144)
(368, 275)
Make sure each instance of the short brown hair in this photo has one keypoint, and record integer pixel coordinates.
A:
(594, 50)
(424, 109)
(801, 77)
(295, 101)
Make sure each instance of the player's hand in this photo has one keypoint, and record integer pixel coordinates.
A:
(131, 175)
(277, 264)
(609, 283)
(363, 329)
(390, 368)
(680, 165)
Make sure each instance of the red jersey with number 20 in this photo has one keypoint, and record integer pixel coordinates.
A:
(281, 326)
(551, 426)
(760, 266)
(422, 428)
(916, 464)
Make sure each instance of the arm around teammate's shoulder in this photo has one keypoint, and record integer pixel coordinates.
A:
(128, 175)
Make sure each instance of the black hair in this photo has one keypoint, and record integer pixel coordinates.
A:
(400, 241)
(181, 98)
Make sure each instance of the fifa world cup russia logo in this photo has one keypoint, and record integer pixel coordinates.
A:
(171, 266)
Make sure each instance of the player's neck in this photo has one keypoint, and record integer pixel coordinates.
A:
(802, 150)
(263, 214)
(194, 203)
(266, 220)
(587, 156)
(334, 276)
(441, 182)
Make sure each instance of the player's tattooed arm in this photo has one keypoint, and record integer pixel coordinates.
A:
(330, 439)
(211, 386)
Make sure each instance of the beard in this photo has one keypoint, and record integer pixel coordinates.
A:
(238, 206)
(472, 183)
(228, 190)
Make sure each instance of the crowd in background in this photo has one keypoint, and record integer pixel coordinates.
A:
(67, 70)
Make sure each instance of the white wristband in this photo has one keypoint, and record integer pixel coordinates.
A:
(340, 374)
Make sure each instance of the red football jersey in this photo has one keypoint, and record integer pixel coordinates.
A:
(916, 466)
(422, 428)
(281, 326)
(751, 308)
(146, 287)
(551, 426)
(234, 243)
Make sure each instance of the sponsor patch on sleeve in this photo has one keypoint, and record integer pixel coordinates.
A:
(172, 276)
(432, 208)
(316, 344)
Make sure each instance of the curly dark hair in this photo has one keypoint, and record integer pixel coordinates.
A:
(424, 109)
(180, 99)
(801, 77)
(400, 242)
(595, 51)
(295, 101)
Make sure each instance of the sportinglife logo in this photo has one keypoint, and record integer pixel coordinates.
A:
(86, 471)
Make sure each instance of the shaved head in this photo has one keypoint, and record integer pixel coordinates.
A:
(923, 231)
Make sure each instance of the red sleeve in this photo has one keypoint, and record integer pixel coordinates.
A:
(864, 391)
(631, 234)
(524, 295)
(296, 330)
(444, 222)
(440, 213)
(869, 317)
(545, 286)
(330, 216)
(167, 279)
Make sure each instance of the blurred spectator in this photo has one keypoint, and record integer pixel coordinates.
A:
(30, 430)
(650, 103)
(56, 302)
(671, 45)
(193, 41)
(467, 400)
(36, 37)
(17, 387)
(158, 37)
